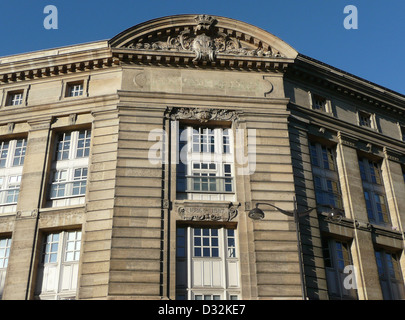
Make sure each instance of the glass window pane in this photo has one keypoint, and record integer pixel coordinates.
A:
(215, 252)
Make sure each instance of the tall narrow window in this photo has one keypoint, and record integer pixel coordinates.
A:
(337, 257)
(69, 169)
(374, 193)
(59, 267)
(326, 179)
(390, 275)
(207, 264)
(5, 244)
(205, 169)
(12, 155)
(19, 152)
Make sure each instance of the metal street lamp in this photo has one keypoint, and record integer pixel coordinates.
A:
(334, 214)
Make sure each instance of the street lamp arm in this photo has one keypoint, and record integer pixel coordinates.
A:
(287, 212)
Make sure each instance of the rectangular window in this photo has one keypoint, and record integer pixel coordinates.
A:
(374, 192)
(63, 146)
(15, 98)
(59, 267)
(3, 153)
(326, 179)
(12, 155)
(205, 168)
(19, 152)
(83, 144)
(203, 140)
(319, 103)
(390, 275)
(58, 188)
(226, 142)
(69, 169)
(13, 189)
(80, 180)
(206, 243)
(74, 89)
(365, 119)
(337, 257)
(5, 244)
(211, 256)
(203, 177)
(322, 156)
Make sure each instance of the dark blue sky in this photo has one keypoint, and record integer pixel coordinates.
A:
(375, 51)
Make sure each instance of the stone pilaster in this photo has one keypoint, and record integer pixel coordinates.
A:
(362, 248)
(20, 272)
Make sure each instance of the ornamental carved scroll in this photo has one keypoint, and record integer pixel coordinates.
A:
(208, 213)
(206, 42)
(203, 115)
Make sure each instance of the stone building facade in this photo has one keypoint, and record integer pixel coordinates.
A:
(128, 168)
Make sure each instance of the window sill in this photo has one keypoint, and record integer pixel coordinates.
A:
(68, 207)
(206, 192)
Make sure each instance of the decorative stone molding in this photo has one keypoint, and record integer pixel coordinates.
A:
(40, 124)
(57, 69)
(203, 115)
(208, 211)
(205, 41)
(166, 204)
(26, 214)
(10, 127)
(362, 225)
(72, 119)
(392, 155)
(347, 141)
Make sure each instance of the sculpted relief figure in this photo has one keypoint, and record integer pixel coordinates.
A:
(206, 42)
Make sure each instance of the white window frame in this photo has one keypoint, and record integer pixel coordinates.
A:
(217, 272)
(5, 245)
(219, 151)
(6, 96)
(11, 172)
(66, 164)
(15, 98)
(58, 269)
(66, 84)
(75, 89)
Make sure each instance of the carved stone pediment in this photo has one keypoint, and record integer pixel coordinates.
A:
(208, 211)
(203, 115)
(206, 41)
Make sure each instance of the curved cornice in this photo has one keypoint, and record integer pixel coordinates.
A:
(202, 39)
(250, 36)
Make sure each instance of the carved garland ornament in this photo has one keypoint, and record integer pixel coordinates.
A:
(198, 213)
(205, 42)
(203, 115)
